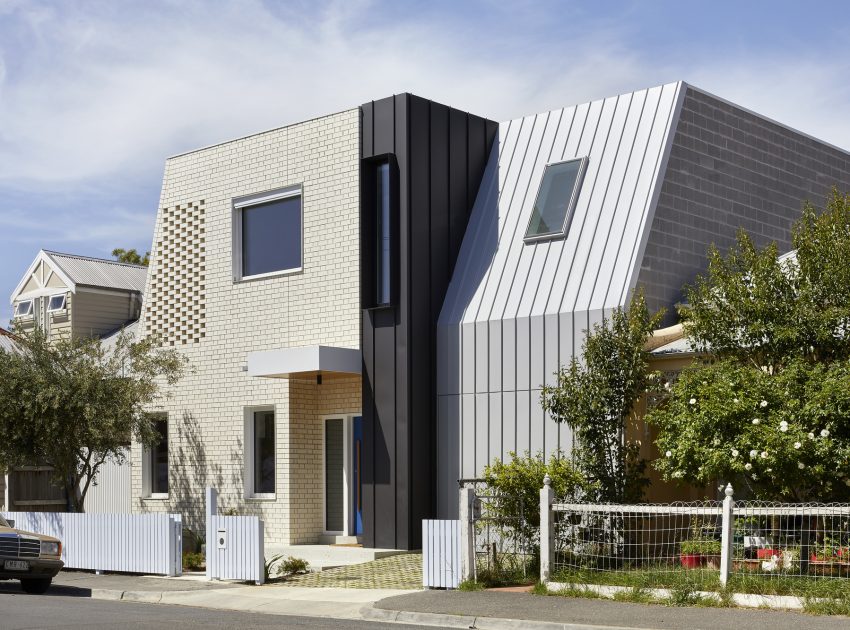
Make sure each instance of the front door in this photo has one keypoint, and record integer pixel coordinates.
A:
(343, 448)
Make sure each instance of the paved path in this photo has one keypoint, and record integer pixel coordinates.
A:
(48, 612)
(397, 572)
(586, 613)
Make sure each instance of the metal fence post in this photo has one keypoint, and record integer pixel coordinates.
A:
(547, 529)
(467, 534)
(212, 510)
(726, 536)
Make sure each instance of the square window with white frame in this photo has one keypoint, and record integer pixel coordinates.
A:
(155, 462)
(260, 463)
(57, 303)
(268, 234)
(23, 308)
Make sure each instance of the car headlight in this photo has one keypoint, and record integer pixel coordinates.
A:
(51, 548)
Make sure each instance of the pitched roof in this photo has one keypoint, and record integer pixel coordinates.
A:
(7, 341)
(98, 272)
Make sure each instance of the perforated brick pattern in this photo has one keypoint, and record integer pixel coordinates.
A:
(176, 304)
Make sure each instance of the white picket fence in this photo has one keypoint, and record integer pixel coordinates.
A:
(235, 545)
(131, 543)
(441, 553)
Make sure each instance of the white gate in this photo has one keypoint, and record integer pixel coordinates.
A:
(440, 554)
(130, 543)
(235, 547)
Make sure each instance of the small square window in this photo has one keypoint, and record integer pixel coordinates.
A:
(556, 199)
(56, 303)
(268, 235)
(23, 309)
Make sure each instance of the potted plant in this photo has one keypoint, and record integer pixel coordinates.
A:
(694, 553)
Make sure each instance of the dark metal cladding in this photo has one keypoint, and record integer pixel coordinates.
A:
(439, 154)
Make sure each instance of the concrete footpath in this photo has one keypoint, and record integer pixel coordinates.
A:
(490, 610)
(281, 599)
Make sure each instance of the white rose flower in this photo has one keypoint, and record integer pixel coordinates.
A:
(754, 453)
(693, 401)
(764, 454)
(755, 477)
(735, 400)
(734, 452)
(666, 385)
(756, 421)
(677, 474)
(668, 454)
(797, 444)
(748, 466)
(763, 404)
(801, 465)
(811, 436)
(824, 433)
(769, 470)
(783, 427)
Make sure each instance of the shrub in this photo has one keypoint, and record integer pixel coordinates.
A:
(193, 561)
(292, 566)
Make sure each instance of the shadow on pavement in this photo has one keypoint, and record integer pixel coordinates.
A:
(13, 587)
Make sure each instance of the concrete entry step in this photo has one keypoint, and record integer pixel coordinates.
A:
(347, 541)
(321, 557)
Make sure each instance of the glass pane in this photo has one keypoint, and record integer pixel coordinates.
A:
(383, 236)
(159, 460)
(553, 199)
(334, 484)
(264, 452)
(57, 303)
(23, 308)
(271, 236)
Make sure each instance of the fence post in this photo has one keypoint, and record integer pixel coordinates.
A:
(467, 534)
(212, 510)
(547, 529)
(726, 536)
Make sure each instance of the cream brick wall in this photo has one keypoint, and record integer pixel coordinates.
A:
(319, 305)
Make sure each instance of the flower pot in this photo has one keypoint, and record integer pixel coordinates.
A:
(691, 560)
(766, 554)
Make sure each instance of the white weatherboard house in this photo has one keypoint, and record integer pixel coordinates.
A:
(371, 300)
(65, 294)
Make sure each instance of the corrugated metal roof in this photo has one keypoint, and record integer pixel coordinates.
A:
(7, 343)
(97, 272)
(108, 342)
(680, 346)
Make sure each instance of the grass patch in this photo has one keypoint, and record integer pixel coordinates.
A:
(637, 595)
(540, 588)
(470, 585)
(827, 606)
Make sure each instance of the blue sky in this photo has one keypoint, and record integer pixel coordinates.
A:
(95, 95)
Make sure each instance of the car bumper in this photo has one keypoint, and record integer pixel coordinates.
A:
(38, 568)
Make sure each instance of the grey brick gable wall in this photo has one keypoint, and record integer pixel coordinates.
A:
(729, 168)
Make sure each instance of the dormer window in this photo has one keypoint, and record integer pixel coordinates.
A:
(556, 200)
(56, 303)
(23, 309)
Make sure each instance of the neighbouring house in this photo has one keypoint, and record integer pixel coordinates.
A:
(65, 294)
(7, 344)
(371, 300)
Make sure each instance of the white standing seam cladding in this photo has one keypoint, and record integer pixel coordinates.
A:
(516, 311)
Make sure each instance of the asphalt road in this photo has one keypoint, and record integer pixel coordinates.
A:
(38, 612)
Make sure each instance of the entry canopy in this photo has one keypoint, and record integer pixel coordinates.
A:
(304, 361)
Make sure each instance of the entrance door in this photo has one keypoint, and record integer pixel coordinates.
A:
(356, 482)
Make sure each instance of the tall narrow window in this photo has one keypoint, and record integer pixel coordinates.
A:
(264, 464)
(159, 460)
(383, 241)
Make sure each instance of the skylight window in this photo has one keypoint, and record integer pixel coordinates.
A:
(556, 199)
(56, 303)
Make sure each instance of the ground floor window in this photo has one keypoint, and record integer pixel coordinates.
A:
(260, 452)
(156, 461)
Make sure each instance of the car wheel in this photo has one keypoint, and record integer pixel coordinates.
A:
(36, 586)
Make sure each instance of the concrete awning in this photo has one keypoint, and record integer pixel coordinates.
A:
(304, 361)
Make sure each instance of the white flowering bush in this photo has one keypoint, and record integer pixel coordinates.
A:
(771, 409)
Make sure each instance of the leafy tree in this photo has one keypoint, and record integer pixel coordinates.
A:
(595, 397)
(74, 405)
(772, 408)
(131, 256)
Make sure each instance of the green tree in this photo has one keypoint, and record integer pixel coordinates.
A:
(596, 397)
(131, 256)
(73, 405)
(772, 407)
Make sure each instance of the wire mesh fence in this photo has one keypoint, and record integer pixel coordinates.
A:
(505, 538)
(791, 539)
(657, 537)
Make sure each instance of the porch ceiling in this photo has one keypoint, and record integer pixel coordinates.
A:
(304, 361)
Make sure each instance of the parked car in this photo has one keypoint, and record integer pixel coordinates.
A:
(31, 558)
